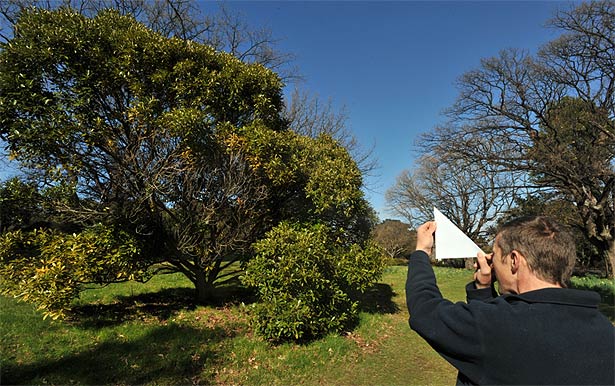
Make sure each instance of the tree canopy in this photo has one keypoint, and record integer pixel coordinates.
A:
(178, 148)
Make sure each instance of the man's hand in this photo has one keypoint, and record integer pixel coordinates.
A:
(483, 275)
(424, 237)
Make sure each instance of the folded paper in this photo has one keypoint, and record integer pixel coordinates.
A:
(451, 242)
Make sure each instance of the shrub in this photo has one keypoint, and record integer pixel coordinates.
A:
(304, 278)
(605, 287)
(48, 268)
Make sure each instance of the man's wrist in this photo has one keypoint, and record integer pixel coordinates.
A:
(484, 294)
(479, 285)
(425, 249)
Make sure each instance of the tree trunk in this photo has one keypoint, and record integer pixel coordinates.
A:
(204, 288)
(610, 259)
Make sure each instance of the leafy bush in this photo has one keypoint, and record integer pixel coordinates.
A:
(48, 268)
(304, 278)
(605, 287)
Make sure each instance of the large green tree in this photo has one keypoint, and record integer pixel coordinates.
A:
(550, 116)
(182, 148)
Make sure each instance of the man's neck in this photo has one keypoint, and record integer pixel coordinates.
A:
(534, 283)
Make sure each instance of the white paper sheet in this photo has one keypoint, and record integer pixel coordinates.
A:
(451, 242)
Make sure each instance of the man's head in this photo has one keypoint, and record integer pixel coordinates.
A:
(547, 248)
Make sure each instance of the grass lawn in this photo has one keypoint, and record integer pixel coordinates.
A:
(151, 334)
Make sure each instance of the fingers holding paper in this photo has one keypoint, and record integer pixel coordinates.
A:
(424, 236)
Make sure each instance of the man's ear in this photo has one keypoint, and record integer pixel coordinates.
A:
(515, 261)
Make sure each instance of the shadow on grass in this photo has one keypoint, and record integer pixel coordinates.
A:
(232, 292)
(378, 299)
(160, 305)
(166, 355)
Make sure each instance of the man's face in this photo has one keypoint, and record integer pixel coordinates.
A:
(501, 265)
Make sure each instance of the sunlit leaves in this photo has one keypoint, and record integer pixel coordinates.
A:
(304, 280)
(48, 268)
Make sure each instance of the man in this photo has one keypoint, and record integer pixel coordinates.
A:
(536, 332)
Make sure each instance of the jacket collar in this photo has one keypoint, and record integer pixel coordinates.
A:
(564, 296)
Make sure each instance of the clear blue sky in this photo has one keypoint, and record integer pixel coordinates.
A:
(393, 64)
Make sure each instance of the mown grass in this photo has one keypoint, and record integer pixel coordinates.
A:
(153, 334)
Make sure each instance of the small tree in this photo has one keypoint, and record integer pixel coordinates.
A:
(395, 238)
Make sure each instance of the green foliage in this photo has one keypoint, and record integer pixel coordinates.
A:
(328, 173)
(182, 150)
(605, 287)
(19, 204)
(311, 179)
(48, 268)
(304, 280)
(578, 139)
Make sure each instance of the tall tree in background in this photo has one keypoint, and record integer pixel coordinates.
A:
(395, 238)
(551, 117)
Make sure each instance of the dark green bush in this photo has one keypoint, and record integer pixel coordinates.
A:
(605, 287)
(304, 278)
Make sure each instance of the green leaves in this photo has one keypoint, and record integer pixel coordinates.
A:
(184, 153)
(48, 268)
(304, 280)
(321, 168)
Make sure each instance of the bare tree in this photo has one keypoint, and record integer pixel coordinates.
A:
(472, 195)
(395, 238)
(308, 115)
(550, 117)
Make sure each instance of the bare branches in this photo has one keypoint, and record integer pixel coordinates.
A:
(471, 194)
(311, 117)
(548, 118)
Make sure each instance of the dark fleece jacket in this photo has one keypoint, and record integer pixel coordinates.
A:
(551, 336)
